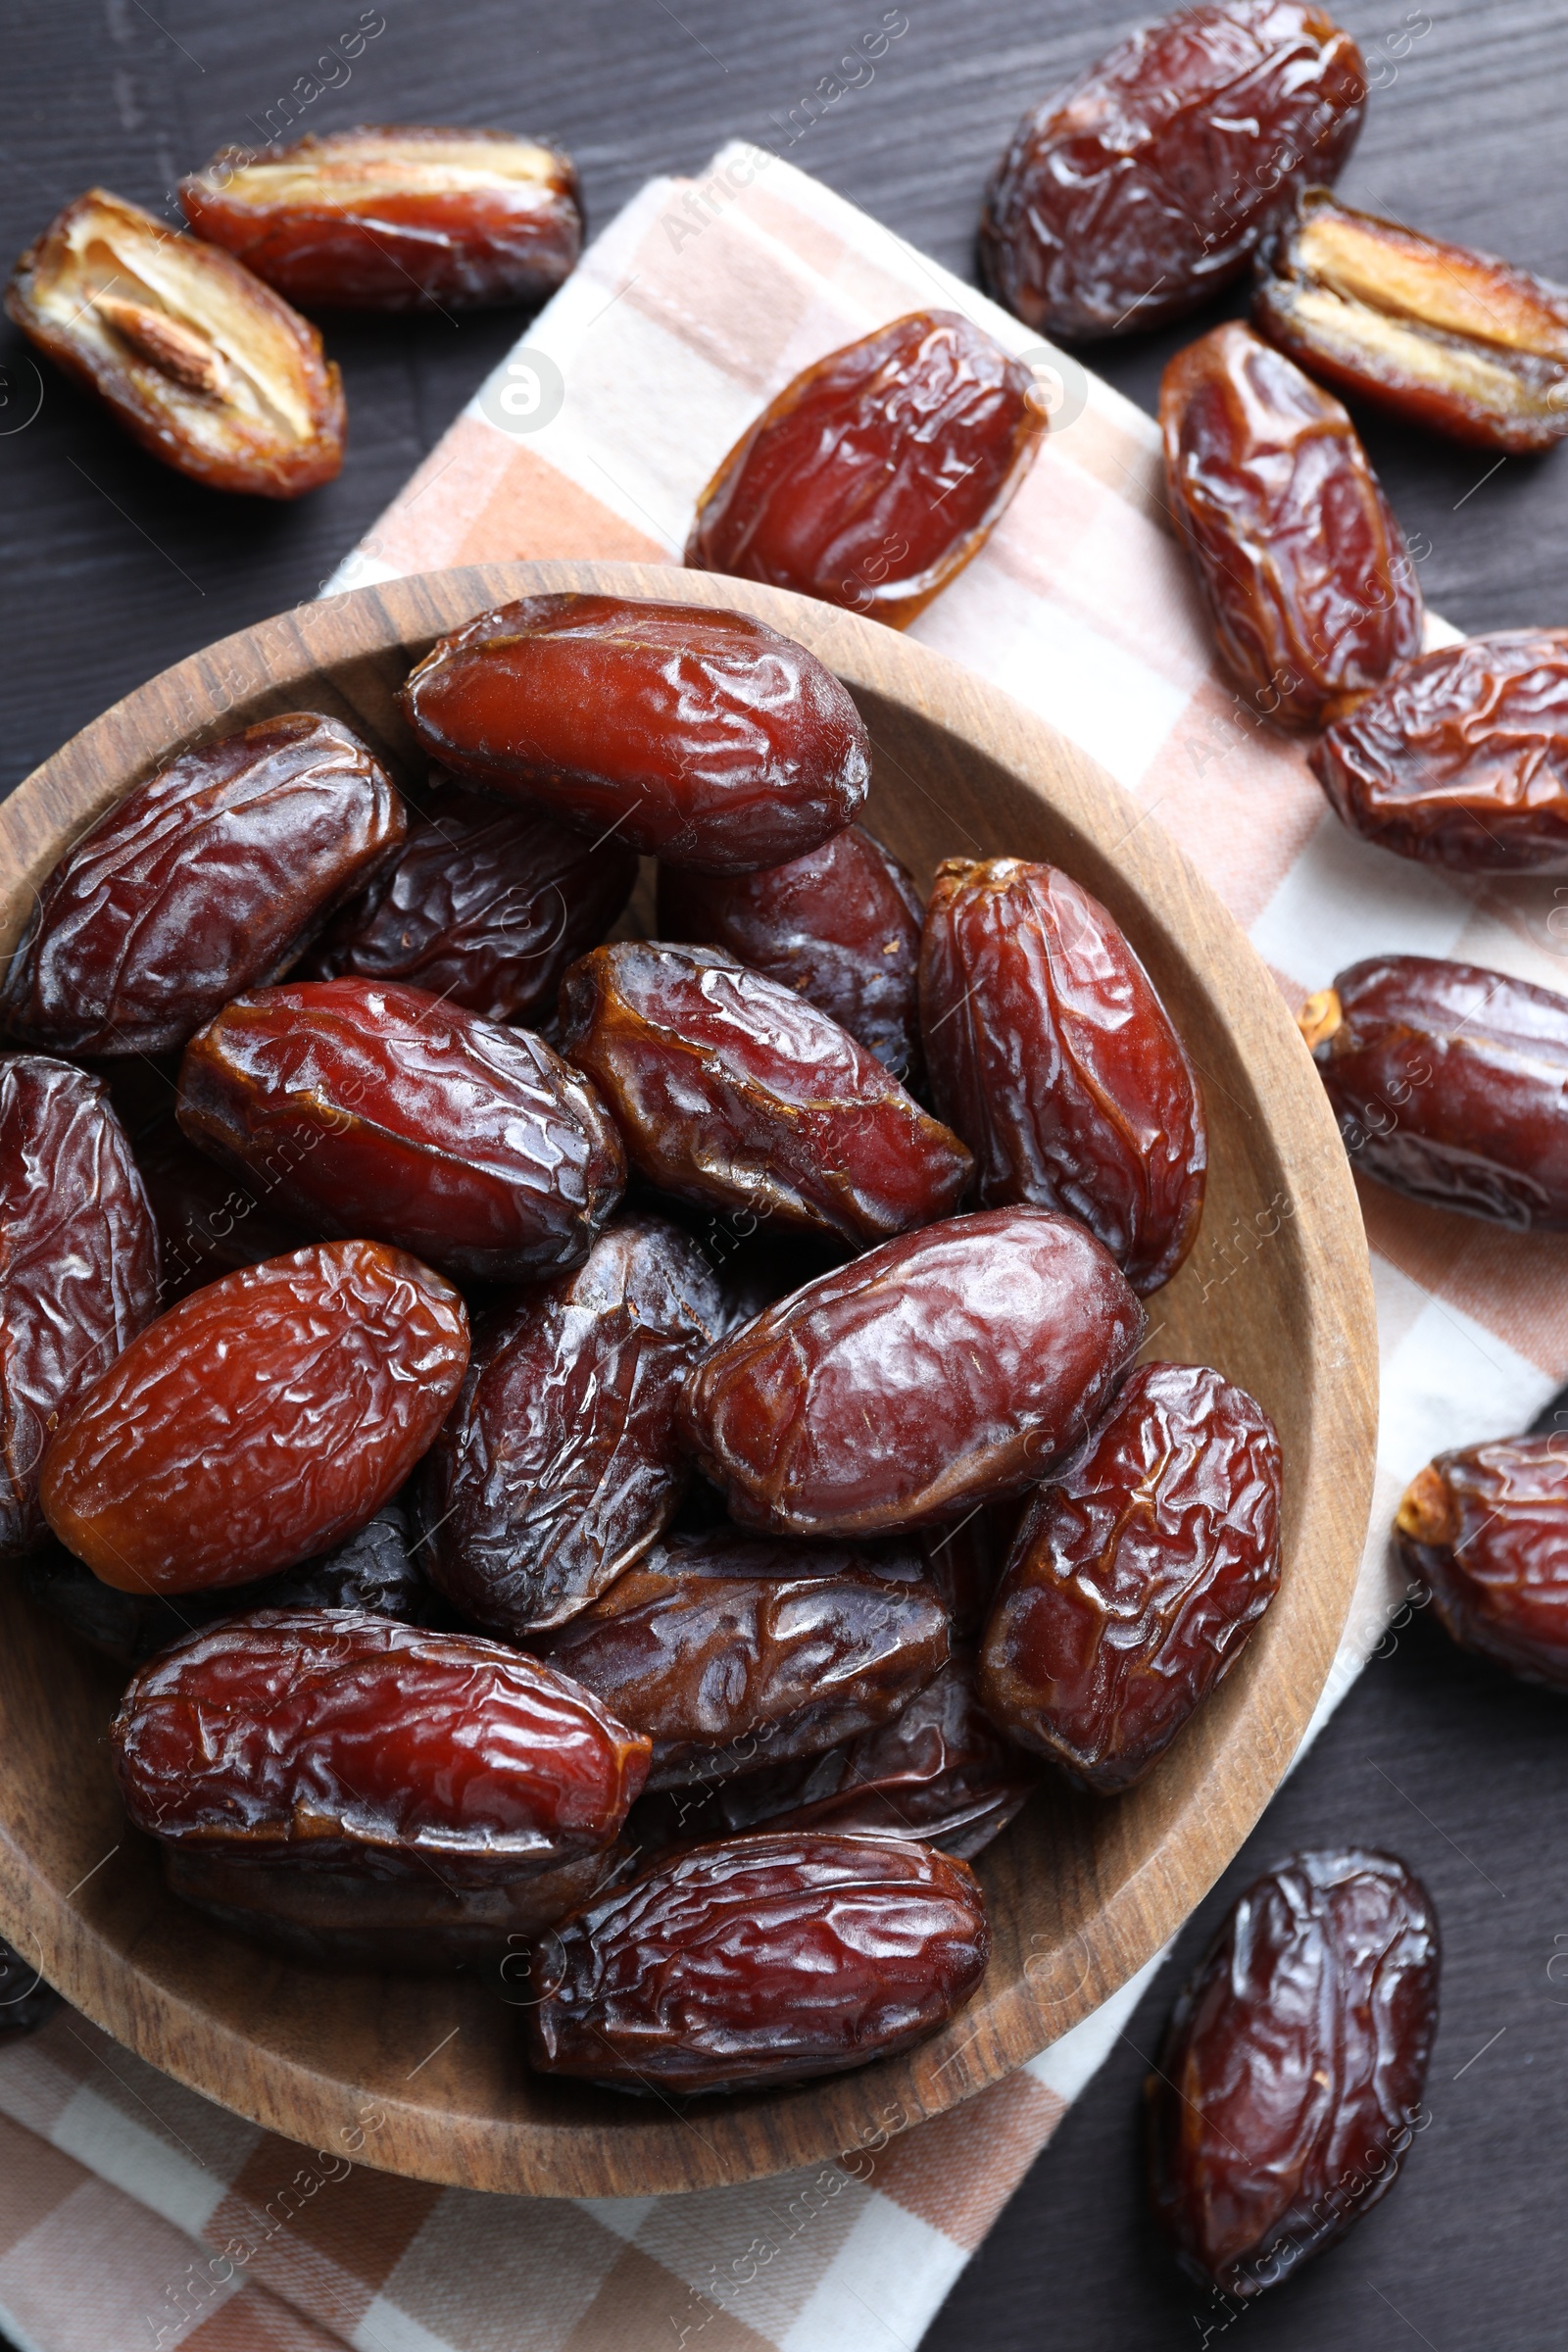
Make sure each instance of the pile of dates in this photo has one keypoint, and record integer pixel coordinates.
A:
(624, 1449)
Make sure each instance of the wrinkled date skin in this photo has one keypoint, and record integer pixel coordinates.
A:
(878, 472)
(759, 1960)
(381, 1110)
(1290, 2082)
(79, 1266)
(1050, 1052)
(486, 907)
(734, 1093)
(1300, 561)
(840, 925)
(207, 880)
(1447, 1081)
(1486, 1531)
(1443, 337)
(559, 1465)
(259, 1422)
(1138, 1573)
(398, 218)
(731, 1656)
(940, 1371)
(703, 738)
(1461, 759)
(206, 368)
(26, 2002)
(209, 1223)
(1140, 190)
(351, 1742)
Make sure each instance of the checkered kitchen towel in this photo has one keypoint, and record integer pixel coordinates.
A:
(133, 2213)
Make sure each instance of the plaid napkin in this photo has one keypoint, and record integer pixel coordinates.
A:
(133, 2213)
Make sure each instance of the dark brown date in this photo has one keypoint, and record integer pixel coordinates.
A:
(559, 1466)
(1447, 1083)
(703, 738)
(1140, 190)
(208, 879)
(1484, 1530)
(79, 1266)
(731, 1656)
(945, 1369)
(759, 1960)
(737, 1094)
(350, 1742)
(26, 2002)
(840, 925)
(369, 1109)
(1300, 561)
(1050, 1052)
(259, 1422)
(1289, 2087)
(1139, 1573)
(878, 472)
(208, 1222)
(1461, 757)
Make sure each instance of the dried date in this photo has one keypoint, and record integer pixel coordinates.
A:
(209, 1223)
(1485, 1531)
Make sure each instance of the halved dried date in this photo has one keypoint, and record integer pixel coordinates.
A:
(735, 1093)
(208, 879)
(349, 1742)
(759, 1960)
(397, 216)
(204, 365)
(878, 471)
(941, 1370)
(1139, 1573)
(381, 1110)
(559, 1465)
(1486, 1531)
(257, 1423)
(1050, 1053)
(705, 738)
(1290, 2082)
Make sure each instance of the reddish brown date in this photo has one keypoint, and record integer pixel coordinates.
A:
(26, 2002)
(759, 1960)
(559, 1465)
(1296, 552)
(1138, 1573)
(1050, 1053)
(730, 1655)
(206, 368)
(735, 1093)
(1290, 2083)
(840, 925)
(79, 1266)
(380, 1110)
(395, 217)
(486, 907)
(350, 1742)
(937, 1372)
(208, 879)
(1461, 757)
(1484, 1530)
(257, 1423)
(877, 472)
(1447, 1081)
(703, 738)
(1140, 190)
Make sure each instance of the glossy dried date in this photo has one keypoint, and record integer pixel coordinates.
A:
(1486, 1531)
(1139, 1573)
(878, 471)
(1301, 563)
(704, 738)
(380, 1110)
(1140, 190)
(1447, 1081)
(759, 1960)
(1050, 1053)
(943, 1369)
(1290, 2082)
(257, 1423)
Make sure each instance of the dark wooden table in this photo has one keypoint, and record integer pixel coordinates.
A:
(114, 568)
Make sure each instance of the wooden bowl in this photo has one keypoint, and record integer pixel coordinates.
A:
(1277, 1293)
